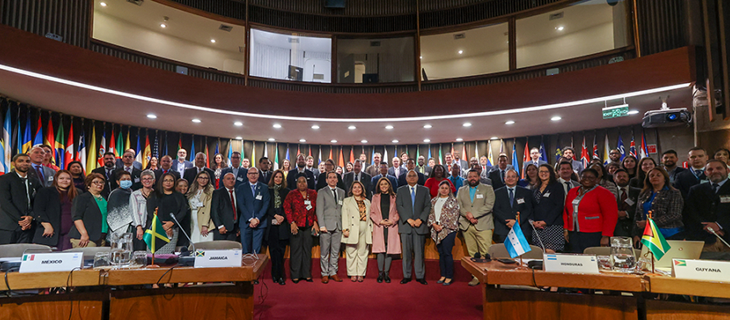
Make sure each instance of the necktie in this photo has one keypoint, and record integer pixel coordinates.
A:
(233, 204)
(698, 173)
(253, 190)
(623, 199)
(27, 189)
(164, 171)
(129, 169)
(502, 175)
(715, 187)
(334, 193)
(511, 197)
(567, 185)
(39, 171)
(357, 177)
(413, 199)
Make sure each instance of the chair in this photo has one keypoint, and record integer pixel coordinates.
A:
(217, 245)
(89, 252)
(605, 251)
(17, 249)
(498, 250)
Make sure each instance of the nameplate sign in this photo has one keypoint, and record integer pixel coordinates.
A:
(217, 258)
(701, 269)
(49, 262)
(570, 263)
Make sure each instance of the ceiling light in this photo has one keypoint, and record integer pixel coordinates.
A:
(151, 116)
(395, 141)
(277, 126)
(333, 141)
(302, 140)
(239, 138)
(315, 127)
(633, 112)
(238, 123)
(103, 4)
(212, 40)
(352, 127)
(461, 51)
(196, 120)
(363, 141)
(162, 25)
(467, 124)
(459, 139)
(560, 28)
(426, 140)
(420, 57)
(494, 138)
(509, 122)
(389, 127)
(272, 139)
(428, 126)
(556, 118)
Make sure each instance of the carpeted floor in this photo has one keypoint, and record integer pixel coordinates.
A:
(369, 299)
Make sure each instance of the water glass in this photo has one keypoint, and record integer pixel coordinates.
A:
(604, 262)
(102, 260)
(121, 250)
(139, 259)
(622, 254)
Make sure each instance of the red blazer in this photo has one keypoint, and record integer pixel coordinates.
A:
(296, 210)
(597, 212)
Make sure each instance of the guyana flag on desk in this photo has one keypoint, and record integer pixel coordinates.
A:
(155, 236)
(654, 240)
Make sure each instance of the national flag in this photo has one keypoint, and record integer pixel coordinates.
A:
(102, 149)
(91, 161)
(217, 146)
(464, 156)
(156, 147)
(207, 154)
(571, 145)
(584, 154)
(192, 148)
(621, 148)
(253, 153)
(418, 153)
(81, 154)
(319, 159)
(127, 144)
(179, 144)
(595, 148)
(138, 150)
(330, 157)
(113, 144)
(276, 156)
(654, 240)
(155, 237)
(243, 152)
(476, 150)
(516, 243)
(515, 163)
(230, 151)
(341, 162)
(147, 153)
(558, 154)
(543, 152)
(441, 156)
(632, 146)
(50, 139)
(385, 155)
(69, 154)
(490, 156)
(27, 138)
(372, 155)
(59, 146)
(429, 153)
(606, 151)
(7, 144)
(287, 152)
(166, 143)
(644, 149)
(501, 147)
(352, 155)
(38, 139)
(119, 148)
(526, 155)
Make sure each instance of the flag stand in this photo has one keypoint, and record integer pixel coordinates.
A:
(648, 217)
(517, 221)
(153, 265)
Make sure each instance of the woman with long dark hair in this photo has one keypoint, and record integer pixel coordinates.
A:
(278, 234)
(52, 208)
(166, 201)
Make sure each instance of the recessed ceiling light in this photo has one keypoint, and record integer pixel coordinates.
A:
(272, 139)
(276, 125)
(467, 124)
(428, 126)
(103, 4)
(333, 141)
(302, 140)
(196, 120)
(239, 138)
(162, 25)
(459, 139)
(461, 51)
(389, 127)
(633, 112)
(395, 141)
(238, 123)
(352, 127)
(494, 138)
(560, 28)
(151, 116)
(556, 118)
(426, 140)
(315, 127)
(509, 122)
(212, 40)
(363, 141)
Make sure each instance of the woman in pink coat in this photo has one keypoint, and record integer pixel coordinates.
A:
(386, 241)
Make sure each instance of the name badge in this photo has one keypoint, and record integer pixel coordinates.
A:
(724, 199)
(701, 269)
(339, 202)
(520, 201)
(576, 202)
(47, 262)
(258, 197)
(217, 258)
(570, 263)
(546, 195)
(307, 202)
(136, 180)
(480, 196)
(704, 181)
(629, 202)
(240, 179)
(50, 178)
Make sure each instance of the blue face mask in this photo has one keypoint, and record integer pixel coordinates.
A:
(125, 184)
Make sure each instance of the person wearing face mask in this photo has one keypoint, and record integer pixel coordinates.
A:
(53, 210)
(119, 211)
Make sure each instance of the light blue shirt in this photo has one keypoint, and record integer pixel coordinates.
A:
(472, 192)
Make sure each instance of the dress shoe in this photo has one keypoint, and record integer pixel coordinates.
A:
(308, 280)
(336, 278)
(325, 279)
(386, 277)
(282, 282)
(255, 282)
(447, 282)
(295, 280)
(380, 277)
(405, 280)
(474, 282)
(421, 281)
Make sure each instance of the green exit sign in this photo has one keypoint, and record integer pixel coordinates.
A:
(615, 112)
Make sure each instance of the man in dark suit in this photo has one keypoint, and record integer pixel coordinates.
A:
(397, 169)
(182, 163)
(239, 172)
(696, 173)
(383, 173)
(534, 159)
(497, 174)
(708, 207)
(626, 200)
(568, 154)
(458, 160)
(135, 163)
(423, 168)
(40, 174)
(329, 166)
(565, 174)
(291, 177)
(413, 203)
(223, 209)
(264, 170)
(374, 169)
(358, 175)
(510, 200)
(128, 166)
(191, 173)
(17, 193)
(108, 172)
(253, 202)
(166, 167)
(411, 165)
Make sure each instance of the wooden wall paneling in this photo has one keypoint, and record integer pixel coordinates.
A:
(75, 306)
(660, 25)
(524, 304)
(67, 18)
(670, 310)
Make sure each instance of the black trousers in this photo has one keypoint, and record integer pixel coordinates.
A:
(16, 236)
(277, 247)
(230, 235)
(579, 241)
(300, 261)
(446, 260)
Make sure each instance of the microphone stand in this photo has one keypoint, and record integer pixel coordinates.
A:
(185, 261)
(718, 236)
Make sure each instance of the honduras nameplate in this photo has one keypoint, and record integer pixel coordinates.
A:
(48, 262)
(571, 263)
(701, 269)
(217, 258)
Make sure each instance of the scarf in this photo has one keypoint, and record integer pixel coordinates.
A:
(277, 197)
(119, 212)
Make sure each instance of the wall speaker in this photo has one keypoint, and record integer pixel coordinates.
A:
(335, 4)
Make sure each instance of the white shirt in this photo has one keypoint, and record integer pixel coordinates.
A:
(438, 207)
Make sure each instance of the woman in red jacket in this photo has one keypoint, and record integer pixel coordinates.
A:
(590, 214)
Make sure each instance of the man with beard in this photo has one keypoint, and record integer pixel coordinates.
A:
(708, 207)
(669, 160)
(291, 177)
(476, 201)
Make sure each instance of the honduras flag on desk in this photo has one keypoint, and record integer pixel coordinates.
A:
(516, 243)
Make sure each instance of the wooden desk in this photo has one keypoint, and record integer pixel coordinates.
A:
(656, 309)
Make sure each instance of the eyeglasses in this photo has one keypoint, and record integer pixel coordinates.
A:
(204, 178)
(98, 182)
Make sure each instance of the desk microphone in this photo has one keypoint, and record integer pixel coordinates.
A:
(536, 234)
(718, 236)
(189, 259)
(536, 264)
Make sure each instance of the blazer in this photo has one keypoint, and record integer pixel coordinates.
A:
(550, 207)
(673, 173)
(264, 176)
(376, 214)
(291, 179)
(365, 178)
(84, 208)
(190, 174)
(480, 208)
(137, 165)
(408, 211)
(241, 178)
(402, 179)
(577, 166)
(48, 209)
(351, 221)
(391, 171)
(13, 200)
(373, 170)
(626, 226)
(329, 209)
(449, 218)
(285, 227)
(597, 211)
(704, 205)
(158, 173)
(375, 179)
(48, 174)
(666, 209)
(187, 164)
(136, 181)
(566, 189)
(496, 176)
(221, 210)
(111, 181)
(425, 170)
(322, 181)
(253, 207)
(524, 203)
(203, 214)
(686, 180)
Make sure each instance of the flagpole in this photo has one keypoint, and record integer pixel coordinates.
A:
(648, 217)
(517, 221)
(153, 265)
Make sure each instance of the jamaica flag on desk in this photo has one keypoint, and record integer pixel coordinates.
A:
(155, 236)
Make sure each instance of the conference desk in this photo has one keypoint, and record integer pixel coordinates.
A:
(625, 296)
(127, 294)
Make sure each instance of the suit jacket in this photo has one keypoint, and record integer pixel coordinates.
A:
(425, 170)
(241, 178)
(577, 167)
(463, 164)
(264, 176)
(375, 179)
(84, 208)
(253, 207)
(158, 173)
(625, 227)
(402, 179)
(365, 178)
(480, 208)
(537, 164)
(221, 210)
(391, 171)
(550, 208)
(704, 205)
(136, 164)
(666, 207)
(373, 170)
(686, 180)
(111, 181)
(673, 173)
(188, 165)
(136, 181)
(572, 183)
(13, 200)
(407, 211)
(291, 179)
(322, 181)
(48, 174)
(284, 227)
(496, 177)
(190, 174)
(524, 203)
(329, 209)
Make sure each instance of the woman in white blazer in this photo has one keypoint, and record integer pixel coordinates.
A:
(357, 231)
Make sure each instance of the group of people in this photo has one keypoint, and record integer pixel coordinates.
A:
(385, 210)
